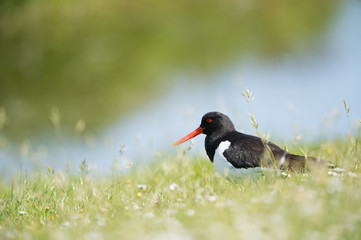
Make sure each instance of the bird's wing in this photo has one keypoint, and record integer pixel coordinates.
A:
(250, 151)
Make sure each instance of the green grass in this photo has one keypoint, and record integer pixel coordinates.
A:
(184, 198)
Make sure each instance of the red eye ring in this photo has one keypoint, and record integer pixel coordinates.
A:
(208, 120)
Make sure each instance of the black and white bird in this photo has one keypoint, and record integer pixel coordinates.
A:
(236, 154)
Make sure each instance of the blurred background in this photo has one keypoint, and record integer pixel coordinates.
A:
(118, 81)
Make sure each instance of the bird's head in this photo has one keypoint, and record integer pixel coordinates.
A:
(212, 123)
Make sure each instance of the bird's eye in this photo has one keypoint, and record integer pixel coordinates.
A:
(208, 120)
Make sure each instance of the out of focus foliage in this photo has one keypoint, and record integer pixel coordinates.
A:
(97, 60)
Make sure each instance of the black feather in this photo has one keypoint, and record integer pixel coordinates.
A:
(246, 151)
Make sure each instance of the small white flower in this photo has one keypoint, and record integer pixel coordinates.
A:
(334, 174)
(136, 206)
(66, 224)
(338, 170)
(173, 186)
(212, 198)
(22, 212)
(352, 174)
(190, 212)
(142, 186)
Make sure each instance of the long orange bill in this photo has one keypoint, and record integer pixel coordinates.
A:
(196, 132)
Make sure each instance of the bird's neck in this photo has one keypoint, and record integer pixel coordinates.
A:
(214, 139)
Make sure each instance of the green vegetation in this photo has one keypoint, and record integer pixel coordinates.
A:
(178, 197)
(98, 60)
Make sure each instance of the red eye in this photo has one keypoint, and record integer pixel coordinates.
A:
(208, 120)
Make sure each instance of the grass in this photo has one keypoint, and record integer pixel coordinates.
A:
(182, 197)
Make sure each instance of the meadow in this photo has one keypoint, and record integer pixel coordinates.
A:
(182, 197)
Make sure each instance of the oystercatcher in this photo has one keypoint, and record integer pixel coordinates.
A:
(236, 154)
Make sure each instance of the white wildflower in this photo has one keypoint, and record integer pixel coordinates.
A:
(212, 198)
(190, 212)
(173, 186)
(352, 174)
(142, 186)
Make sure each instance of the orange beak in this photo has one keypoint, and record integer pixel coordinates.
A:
(196, 132)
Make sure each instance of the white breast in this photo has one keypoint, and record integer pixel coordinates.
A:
(227, 169)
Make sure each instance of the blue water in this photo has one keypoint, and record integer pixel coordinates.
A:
(300, 94)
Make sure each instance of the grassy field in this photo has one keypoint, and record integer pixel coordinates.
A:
(181, 197)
